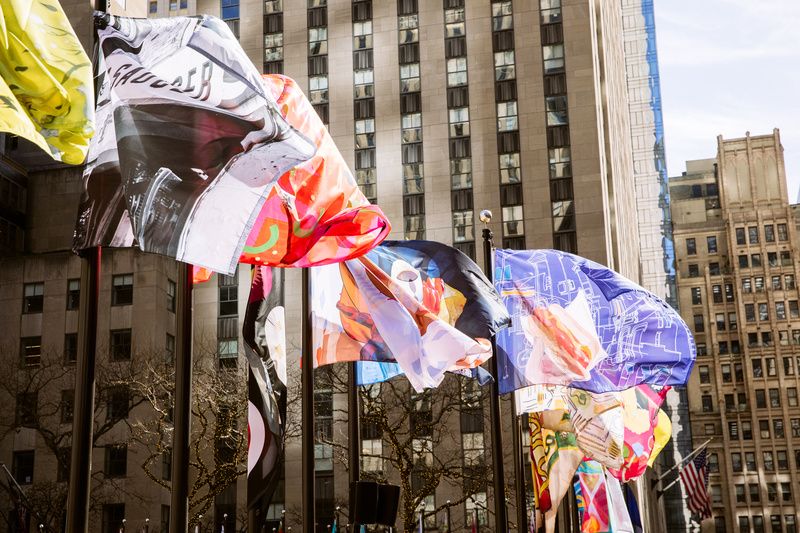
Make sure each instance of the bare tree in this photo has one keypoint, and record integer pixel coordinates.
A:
(41, 391)
(420, 441)
(218, 455)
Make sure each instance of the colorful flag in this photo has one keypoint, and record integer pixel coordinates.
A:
(592, 479)
(45, 80)
(265, 345)
(694, 477)
(641, 407)
(595, 419)
(563, 458)
(662, 433)
(539, 470)
(579, 504)
(424, 305)
(199, 158)
(620, 521)
(577, 323)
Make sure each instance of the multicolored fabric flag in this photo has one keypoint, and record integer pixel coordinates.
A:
(633, 509)
(539, 470)
(265, 346)
(199, 158)
(563, 458)
(620, 521)
(694, 477)
(592, 479)
(577, 323)
(424, 305)
(579, 504)
(662, 433)
(46, 84)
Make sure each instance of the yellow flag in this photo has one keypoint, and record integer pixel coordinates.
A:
(46, 93)
(662, 434)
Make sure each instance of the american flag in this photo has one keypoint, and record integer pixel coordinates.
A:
(694, 477)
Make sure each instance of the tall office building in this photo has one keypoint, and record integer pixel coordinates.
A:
(737, 246)
(441, 108)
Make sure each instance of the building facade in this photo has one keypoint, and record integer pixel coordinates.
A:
(737, 246)
(442, 109)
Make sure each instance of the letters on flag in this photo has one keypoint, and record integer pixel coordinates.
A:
(45, 80)
(265, 345)
(199, 158)
(577, 323)
(424, 305)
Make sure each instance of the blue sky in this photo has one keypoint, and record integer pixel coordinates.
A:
(728, 67)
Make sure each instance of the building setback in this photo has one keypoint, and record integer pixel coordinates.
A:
(737, 247)
(441, 108)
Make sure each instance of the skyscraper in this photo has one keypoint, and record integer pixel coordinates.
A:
(737, 247)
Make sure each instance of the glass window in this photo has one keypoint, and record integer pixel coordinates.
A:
(317, 41)
(691, 247)
(747, 285)
(761, 399)
(476, 509)
(699, 324)
(752, 234)
(728, 292)
(152, 7)
(273, 6)
(463, 226)
(769, 233)
(228, 353)
(743, 263)
(409, 78)
(696, 295)
(560, 163)
(708, 403)
(122, 290)
(512, 221)
(73, 293)
(118, 402)
(740, 239)
(755, 260)
(786, 258)
(750, 461)
(774, 398)
(550, 11)
(733, 430)
(456, 71)
(510, 168)
(557, 114)
(750, 312)
(777, 428)
(772, 370)
(120, 346)
(711, 243)
(725, 371)
(736, 462)
(719, 319)
(504, 67)
(372, 455)
(454, 23)
(171, 288)
(734, 325)
(783, 459)
(747, 430)
(507, 116)
(34, 298)
(703, 372)
(763, 428)
(553, 55)
(740, 495)
(769, 462)
(763, 312)
(116, 460)
(783, 234)
(755, 493)
(694, 270)
(791, 396)
(70, 348)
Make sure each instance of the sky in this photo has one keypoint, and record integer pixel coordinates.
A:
(728, 67)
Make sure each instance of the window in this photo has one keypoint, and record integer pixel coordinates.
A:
(22, 466)
(783, 234)
(711, 243)
(691, 247)
(409, 28)
(454, 22)
(694, 270)
(788, 282)
(553, 56)
(116, 460)
(512, 221)
(716, 293)
(34, 298)
(409, 78)
(550, 11)
(786, 258)
(740, 240)
(750, 312)
(743, 263)
(774, 398)
(763, 312)
(697, 298)
(755, 493)
(776, 283)
(456, 72)
(726, 373)
(772, 492)
(766, 340)
(507, 116)
(708, 403)
(372, 455)
(755, 260)
(769, 462)
(509, 168)
(459, 121)
(73, 293)
(228, 353)
(728, 292)
(736, 462)
(26, 409)
(747, 430)
(791, 523)
(732, 322)
(701, 349)
(113, 515)
(740, 495)
(228, 301)
(317, 41)
(67, 405)
(63, 456)
(788, 366)
(463, 226)
(783, 460)
(733, 430)
(713, 269)
(501, 16)
(777, 428)
(791, 396)
(763, 428)
(735, 348)
(772, 259)
(752, 234)
(120, 347)
(761, 399)
(557, 113)
(70, 348)
(699, 325)
(122, 289)
(772, 371)
(476, 507)
(729, 402)
(759, 284)
(750, 461)
(719, 319)
(473, 447)
(152, 7)
(704, 374)
(738, 373)
(747, 285)
(504, 67)
(794, 309)
(118, 402)
(169, 350)
(31, 351)
(716, 494)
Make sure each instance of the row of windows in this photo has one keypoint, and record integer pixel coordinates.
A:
(716, 293)
(790, 366)
(364, 93)
(752, 234)
(752, 492)
(768, 461)
(743, 523)
(119, 348)
(459, 130)
(413, 174)
(711, 245)
(739, 402)
(754, 260)
(723, 348)
(273, 38)
(174, 5)
(121, 294)
(763, 311)
(777, 283)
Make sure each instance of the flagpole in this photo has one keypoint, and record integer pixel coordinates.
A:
(500, 511)
(307, 382)
(683, 461)
(519, 476)
(353, 433)
(179, 505)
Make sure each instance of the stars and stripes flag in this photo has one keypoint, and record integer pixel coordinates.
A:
(694, 477)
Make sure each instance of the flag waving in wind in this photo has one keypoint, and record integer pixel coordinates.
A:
(46, 85)
(200, 158)
(577, 323)
(421, 304)
(694, 477)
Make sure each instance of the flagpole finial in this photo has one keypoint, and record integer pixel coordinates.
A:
(485, 216)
